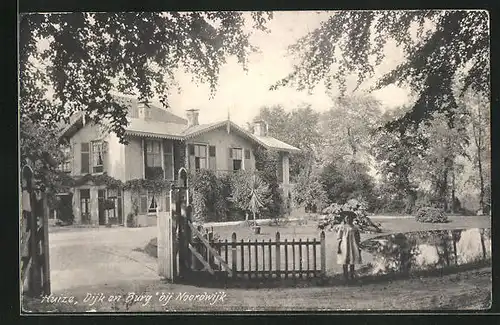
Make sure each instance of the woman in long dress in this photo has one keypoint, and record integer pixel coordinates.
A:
(349, 252)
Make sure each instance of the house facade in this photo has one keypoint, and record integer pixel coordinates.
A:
(159, 144)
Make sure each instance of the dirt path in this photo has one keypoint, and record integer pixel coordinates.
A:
(466, 290)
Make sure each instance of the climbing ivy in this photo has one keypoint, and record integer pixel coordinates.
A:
(156, 185)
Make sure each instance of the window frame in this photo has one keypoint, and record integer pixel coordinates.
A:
(96, 168)
(241, 159)
(198, 158)
(168, 156)
(65, 166)
(88, 162)
(150, 143)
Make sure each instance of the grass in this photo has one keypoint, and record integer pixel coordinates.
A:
(309, 231)
(460, 291)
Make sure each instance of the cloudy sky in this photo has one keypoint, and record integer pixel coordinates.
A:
(243, 93)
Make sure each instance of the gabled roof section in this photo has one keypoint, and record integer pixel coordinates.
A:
(155, 129)
(273, 143)
(267, 142)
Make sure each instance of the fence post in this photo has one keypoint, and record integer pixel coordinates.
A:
(234, 255)
(278, 255)
(45, 243)
(323, 254)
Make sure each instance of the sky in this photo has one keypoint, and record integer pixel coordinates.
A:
(242, 94)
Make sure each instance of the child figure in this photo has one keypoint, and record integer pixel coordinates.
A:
(348, 253)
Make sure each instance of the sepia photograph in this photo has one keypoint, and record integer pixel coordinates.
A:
(254, 161)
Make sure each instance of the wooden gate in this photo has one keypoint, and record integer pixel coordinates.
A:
(186, 251)
(34, 237)
(264, 259)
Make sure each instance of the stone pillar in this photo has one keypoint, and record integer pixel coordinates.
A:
(76, 206)
(127, 205)
(94, 206)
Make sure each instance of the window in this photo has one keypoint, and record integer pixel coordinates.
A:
(148, 202)
(212, 161)
(153, 153)
(97, 157)
(236, 154)
(85, 158)
(152, 205)
(211, 151)
(168, 159)
(85, 205)
(66, 164)
(200, 156)
(247, 154)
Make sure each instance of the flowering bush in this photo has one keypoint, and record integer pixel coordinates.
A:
(431, 215)
(333, 216)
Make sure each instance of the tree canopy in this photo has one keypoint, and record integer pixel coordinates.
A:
(439, 45)
(89, 55)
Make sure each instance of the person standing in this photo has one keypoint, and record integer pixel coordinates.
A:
(348, 251)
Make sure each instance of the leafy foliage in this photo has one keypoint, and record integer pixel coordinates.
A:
(335, 214)
(438, 46)
(343, 181)
(431, 215)
(298, 128)
(249, 192)
(156, 186)
(209, 199)
(309, 192)
(89, 55)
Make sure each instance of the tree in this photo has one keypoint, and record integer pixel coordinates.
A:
(89, 55)
(479, 130)
(39, 145)
(249, 192)
(258, 194)
(344, 180)
(438, 44)
(396, 152)
(348, 126)
(446, 139)
(309, 191)
(299, 128)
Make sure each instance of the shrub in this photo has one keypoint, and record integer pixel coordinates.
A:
(359, 207)
(431, 215)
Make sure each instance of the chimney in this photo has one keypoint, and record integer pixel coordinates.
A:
(143, 110)
(260, 128)
(192, 117)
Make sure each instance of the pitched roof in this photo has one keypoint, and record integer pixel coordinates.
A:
(163, 124)
(266, 141)
(274, 143)
(155, 129)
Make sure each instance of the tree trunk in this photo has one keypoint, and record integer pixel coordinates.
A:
(453, 191)
(476, 129)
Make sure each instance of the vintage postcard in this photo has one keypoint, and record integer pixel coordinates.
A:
(254, 161)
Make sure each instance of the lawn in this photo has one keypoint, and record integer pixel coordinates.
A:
(310, 231)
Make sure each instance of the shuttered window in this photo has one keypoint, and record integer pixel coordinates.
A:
(212, 160)
(85, 158)
(168, 159)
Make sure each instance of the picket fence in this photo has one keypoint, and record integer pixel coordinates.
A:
(265, 259)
